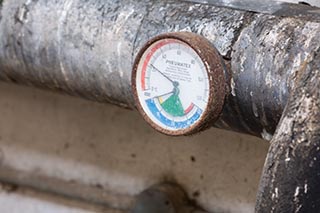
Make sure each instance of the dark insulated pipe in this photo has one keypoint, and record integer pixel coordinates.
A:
(87, 48)
(291, 177)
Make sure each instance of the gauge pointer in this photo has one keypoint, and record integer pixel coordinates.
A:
(173, 82)
(158, 96)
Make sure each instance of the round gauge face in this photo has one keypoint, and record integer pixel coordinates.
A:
(172, 85)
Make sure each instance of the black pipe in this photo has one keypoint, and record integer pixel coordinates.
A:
(291, 177)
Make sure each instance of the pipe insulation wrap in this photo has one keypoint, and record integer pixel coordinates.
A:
(86, 48)
(290, 180)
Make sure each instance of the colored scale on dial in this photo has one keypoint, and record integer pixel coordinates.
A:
(172, 84)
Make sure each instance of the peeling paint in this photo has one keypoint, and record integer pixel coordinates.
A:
(269, 80)
(275, 194)
(265, 135)
(255, 110)
(305, 188)
(297, 192)
(233, 87)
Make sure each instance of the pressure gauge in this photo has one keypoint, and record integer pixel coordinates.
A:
(178, 82)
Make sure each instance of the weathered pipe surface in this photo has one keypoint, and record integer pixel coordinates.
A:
(86, 48)
(266, 57)
(291, 178)
(302, 10)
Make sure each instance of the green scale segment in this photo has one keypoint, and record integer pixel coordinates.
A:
(173, 106)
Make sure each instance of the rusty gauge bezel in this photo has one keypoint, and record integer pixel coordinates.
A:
(215, 69)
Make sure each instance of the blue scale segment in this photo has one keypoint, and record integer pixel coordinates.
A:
(170, 123)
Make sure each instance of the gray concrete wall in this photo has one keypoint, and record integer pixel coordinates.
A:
(105, 154)
(19, 199)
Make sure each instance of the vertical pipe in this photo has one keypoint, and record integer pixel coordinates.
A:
(291, 177)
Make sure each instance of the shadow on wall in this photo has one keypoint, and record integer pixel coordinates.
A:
(95, 144)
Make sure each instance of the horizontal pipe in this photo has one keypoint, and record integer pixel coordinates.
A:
(301, 9)
(86, 48)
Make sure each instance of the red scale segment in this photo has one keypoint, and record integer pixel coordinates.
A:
(189, 109)
(148, 58)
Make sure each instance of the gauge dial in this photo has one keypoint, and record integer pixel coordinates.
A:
(172, 84)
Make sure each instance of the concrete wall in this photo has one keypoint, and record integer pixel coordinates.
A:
(19, 199)
(105, 154)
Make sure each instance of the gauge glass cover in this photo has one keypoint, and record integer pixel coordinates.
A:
(172, 85)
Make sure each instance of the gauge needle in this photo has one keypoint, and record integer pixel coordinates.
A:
(173, 82)
(168, 93)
